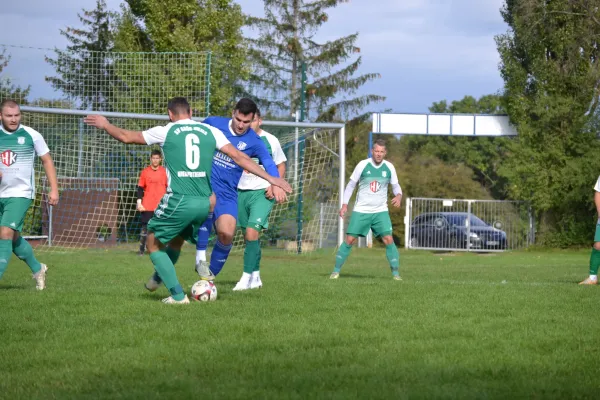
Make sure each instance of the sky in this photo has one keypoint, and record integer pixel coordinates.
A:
(425, 50)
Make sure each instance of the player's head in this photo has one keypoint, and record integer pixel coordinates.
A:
(257, 122)
(179, 108)
(155, 158)
(378, 151)
(243, 115)
(10, 115)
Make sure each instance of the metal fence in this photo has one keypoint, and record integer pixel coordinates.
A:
(468, 225)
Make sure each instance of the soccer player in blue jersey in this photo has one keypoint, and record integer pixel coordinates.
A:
(226, 175)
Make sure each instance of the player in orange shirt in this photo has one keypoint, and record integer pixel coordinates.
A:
(151, 188)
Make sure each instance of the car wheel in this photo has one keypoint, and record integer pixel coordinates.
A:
(414, 242)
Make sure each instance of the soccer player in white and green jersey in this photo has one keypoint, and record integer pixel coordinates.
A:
(255, 201)
(188, 148)
(373, 176)
(19, 144)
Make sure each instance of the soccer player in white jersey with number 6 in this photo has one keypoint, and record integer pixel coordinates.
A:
(19, 144)
(373, 176)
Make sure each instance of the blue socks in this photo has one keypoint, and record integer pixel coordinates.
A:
(218, 257)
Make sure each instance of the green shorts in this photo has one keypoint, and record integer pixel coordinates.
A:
(596, 235)
(254, 209)
(179, 215)
(12, 212)
(361, 223)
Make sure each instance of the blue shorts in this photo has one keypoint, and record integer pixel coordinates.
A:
(227, 203)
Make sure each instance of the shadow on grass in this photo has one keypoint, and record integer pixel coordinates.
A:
(15, 287)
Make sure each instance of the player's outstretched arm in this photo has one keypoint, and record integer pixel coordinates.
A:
(122, 135)
(246, 162)
(50, 170)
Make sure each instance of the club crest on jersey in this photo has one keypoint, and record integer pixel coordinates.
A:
(375, 186)
(384, 173)
(241, 146)
(8, 157)
(21, 140)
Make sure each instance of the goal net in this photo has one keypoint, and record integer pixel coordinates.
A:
(98, 178)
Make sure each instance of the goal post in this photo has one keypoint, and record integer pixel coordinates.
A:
(98, 179)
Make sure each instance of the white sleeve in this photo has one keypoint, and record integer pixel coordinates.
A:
(597, 187)
(278, 154)
(349, 190)
(396, 189)
(156, 135)
(39, 144)
(219, 136)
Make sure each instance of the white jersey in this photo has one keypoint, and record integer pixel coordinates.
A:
(249, 181)
(17, 157)
(373, 181)
(597, 187)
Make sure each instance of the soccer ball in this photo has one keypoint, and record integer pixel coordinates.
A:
(204, 291)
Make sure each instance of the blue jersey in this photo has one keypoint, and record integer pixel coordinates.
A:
(226, 173)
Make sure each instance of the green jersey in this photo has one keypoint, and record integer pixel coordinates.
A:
(17, 155)
(188, 149)
(373, 181)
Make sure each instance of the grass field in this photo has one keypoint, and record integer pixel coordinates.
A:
(459, 326)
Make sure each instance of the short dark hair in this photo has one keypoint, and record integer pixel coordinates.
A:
(179, 106)
(8, 103)
(156, 152)
(380, 142)
(257, 114)
(246, 106)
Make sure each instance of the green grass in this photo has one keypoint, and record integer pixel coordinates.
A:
(459, 326)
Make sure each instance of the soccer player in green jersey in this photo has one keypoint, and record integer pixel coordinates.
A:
(19, 144)
(373, 176)
(188, 148)
(595, 256)
(255, 201)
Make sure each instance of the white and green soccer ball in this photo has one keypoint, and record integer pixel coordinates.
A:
(204, 291)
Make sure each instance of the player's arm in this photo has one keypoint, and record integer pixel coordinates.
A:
(354, 178)
(122, 135)
(42, 150)
(396, 189)
(280, 159)
(50, 170)
(246, 162)
(261, 152)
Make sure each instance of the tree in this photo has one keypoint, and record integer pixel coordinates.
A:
(551, 69)
(84, 70)
(7, 89)
(483, 154)
(211, 26)
(286, 42)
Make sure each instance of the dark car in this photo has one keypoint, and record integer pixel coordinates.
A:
(455, 230)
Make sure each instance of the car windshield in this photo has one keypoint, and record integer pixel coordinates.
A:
(461, 220)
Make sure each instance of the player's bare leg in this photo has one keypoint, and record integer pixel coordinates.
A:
(342, 255)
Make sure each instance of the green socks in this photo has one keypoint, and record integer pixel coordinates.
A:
(166, 270)
(341, 256)
(23, 250)
(393, 257)
(5, 253)
(594, 262)
(173, 254)
(257, 267)
(251, 256)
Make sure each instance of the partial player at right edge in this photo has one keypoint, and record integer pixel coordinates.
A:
(373, 176)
